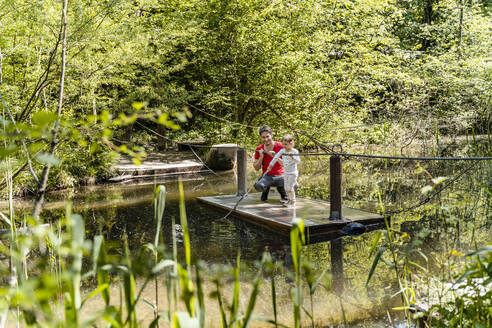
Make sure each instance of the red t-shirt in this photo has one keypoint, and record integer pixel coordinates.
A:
(277, 169)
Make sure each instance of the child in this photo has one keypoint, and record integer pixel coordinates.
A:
(289, 161)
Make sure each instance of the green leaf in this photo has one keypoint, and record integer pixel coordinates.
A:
(184, 320)
(484, 250)
(138, 105)
(218, 295)
(315, 285)
(96, 291)
(43, 119)
(105, 116)
(180, 116)
(426, 189)
(46, 158)
(187, 289)
(388, 263)
(375, 243)
(162, 265)
(8, 151)
(184, 224)
(375, 263)
(400, 308)
(439, 180)
(159, 206)
(5, 219)
(252, 299)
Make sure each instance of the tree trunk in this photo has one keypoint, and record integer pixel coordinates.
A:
(460, 30)
(39, 202)
(427, 20)
(1, 65)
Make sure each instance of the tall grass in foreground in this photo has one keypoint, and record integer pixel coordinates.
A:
(51, 295)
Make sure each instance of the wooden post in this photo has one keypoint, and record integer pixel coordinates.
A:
(335, 188)
(336, 252)
(242, 178)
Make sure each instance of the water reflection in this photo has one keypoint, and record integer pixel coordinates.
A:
(336, 252)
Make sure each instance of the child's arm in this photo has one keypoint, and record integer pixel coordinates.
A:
(276, 158)
(295, 156)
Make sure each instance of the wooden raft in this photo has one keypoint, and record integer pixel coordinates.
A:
(276, 217)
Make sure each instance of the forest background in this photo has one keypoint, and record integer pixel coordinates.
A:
(394, 68)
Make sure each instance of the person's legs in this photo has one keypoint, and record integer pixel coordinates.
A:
(290, 182)
(263, 185)
(264, 194)
(278, 181)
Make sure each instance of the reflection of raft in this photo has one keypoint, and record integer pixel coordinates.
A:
(274, 216)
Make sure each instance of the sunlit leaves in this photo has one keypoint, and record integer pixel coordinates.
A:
(439, 180)
(426, 189)
(43, 119)
(8, 151)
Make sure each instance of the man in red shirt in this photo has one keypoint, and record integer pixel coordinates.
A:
(263, 157)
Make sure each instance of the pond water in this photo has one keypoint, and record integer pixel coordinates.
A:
(458, 219)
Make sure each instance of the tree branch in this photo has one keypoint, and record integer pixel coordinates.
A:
(39, 202)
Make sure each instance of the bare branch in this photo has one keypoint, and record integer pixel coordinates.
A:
(39, 202)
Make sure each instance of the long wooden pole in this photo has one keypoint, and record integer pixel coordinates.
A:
(336, 188)
(242, 178)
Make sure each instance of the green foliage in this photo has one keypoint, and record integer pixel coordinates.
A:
(471, 303)
(216, 65)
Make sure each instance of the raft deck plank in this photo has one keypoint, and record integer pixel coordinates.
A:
(273, 215)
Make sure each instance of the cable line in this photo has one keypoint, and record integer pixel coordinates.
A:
(348, 155)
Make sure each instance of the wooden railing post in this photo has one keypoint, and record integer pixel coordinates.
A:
(335, 188)
(242, 178)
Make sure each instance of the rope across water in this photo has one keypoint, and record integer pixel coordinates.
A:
(417, 158)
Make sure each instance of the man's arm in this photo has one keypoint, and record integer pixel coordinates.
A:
(259, 162)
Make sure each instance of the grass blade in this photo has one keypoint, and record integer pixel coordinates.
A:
(187, 292)
(375, 263)
(375, 243)
(159, 206)
(252, 299)
(221, 305)
(201, 298)
(184, 225)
